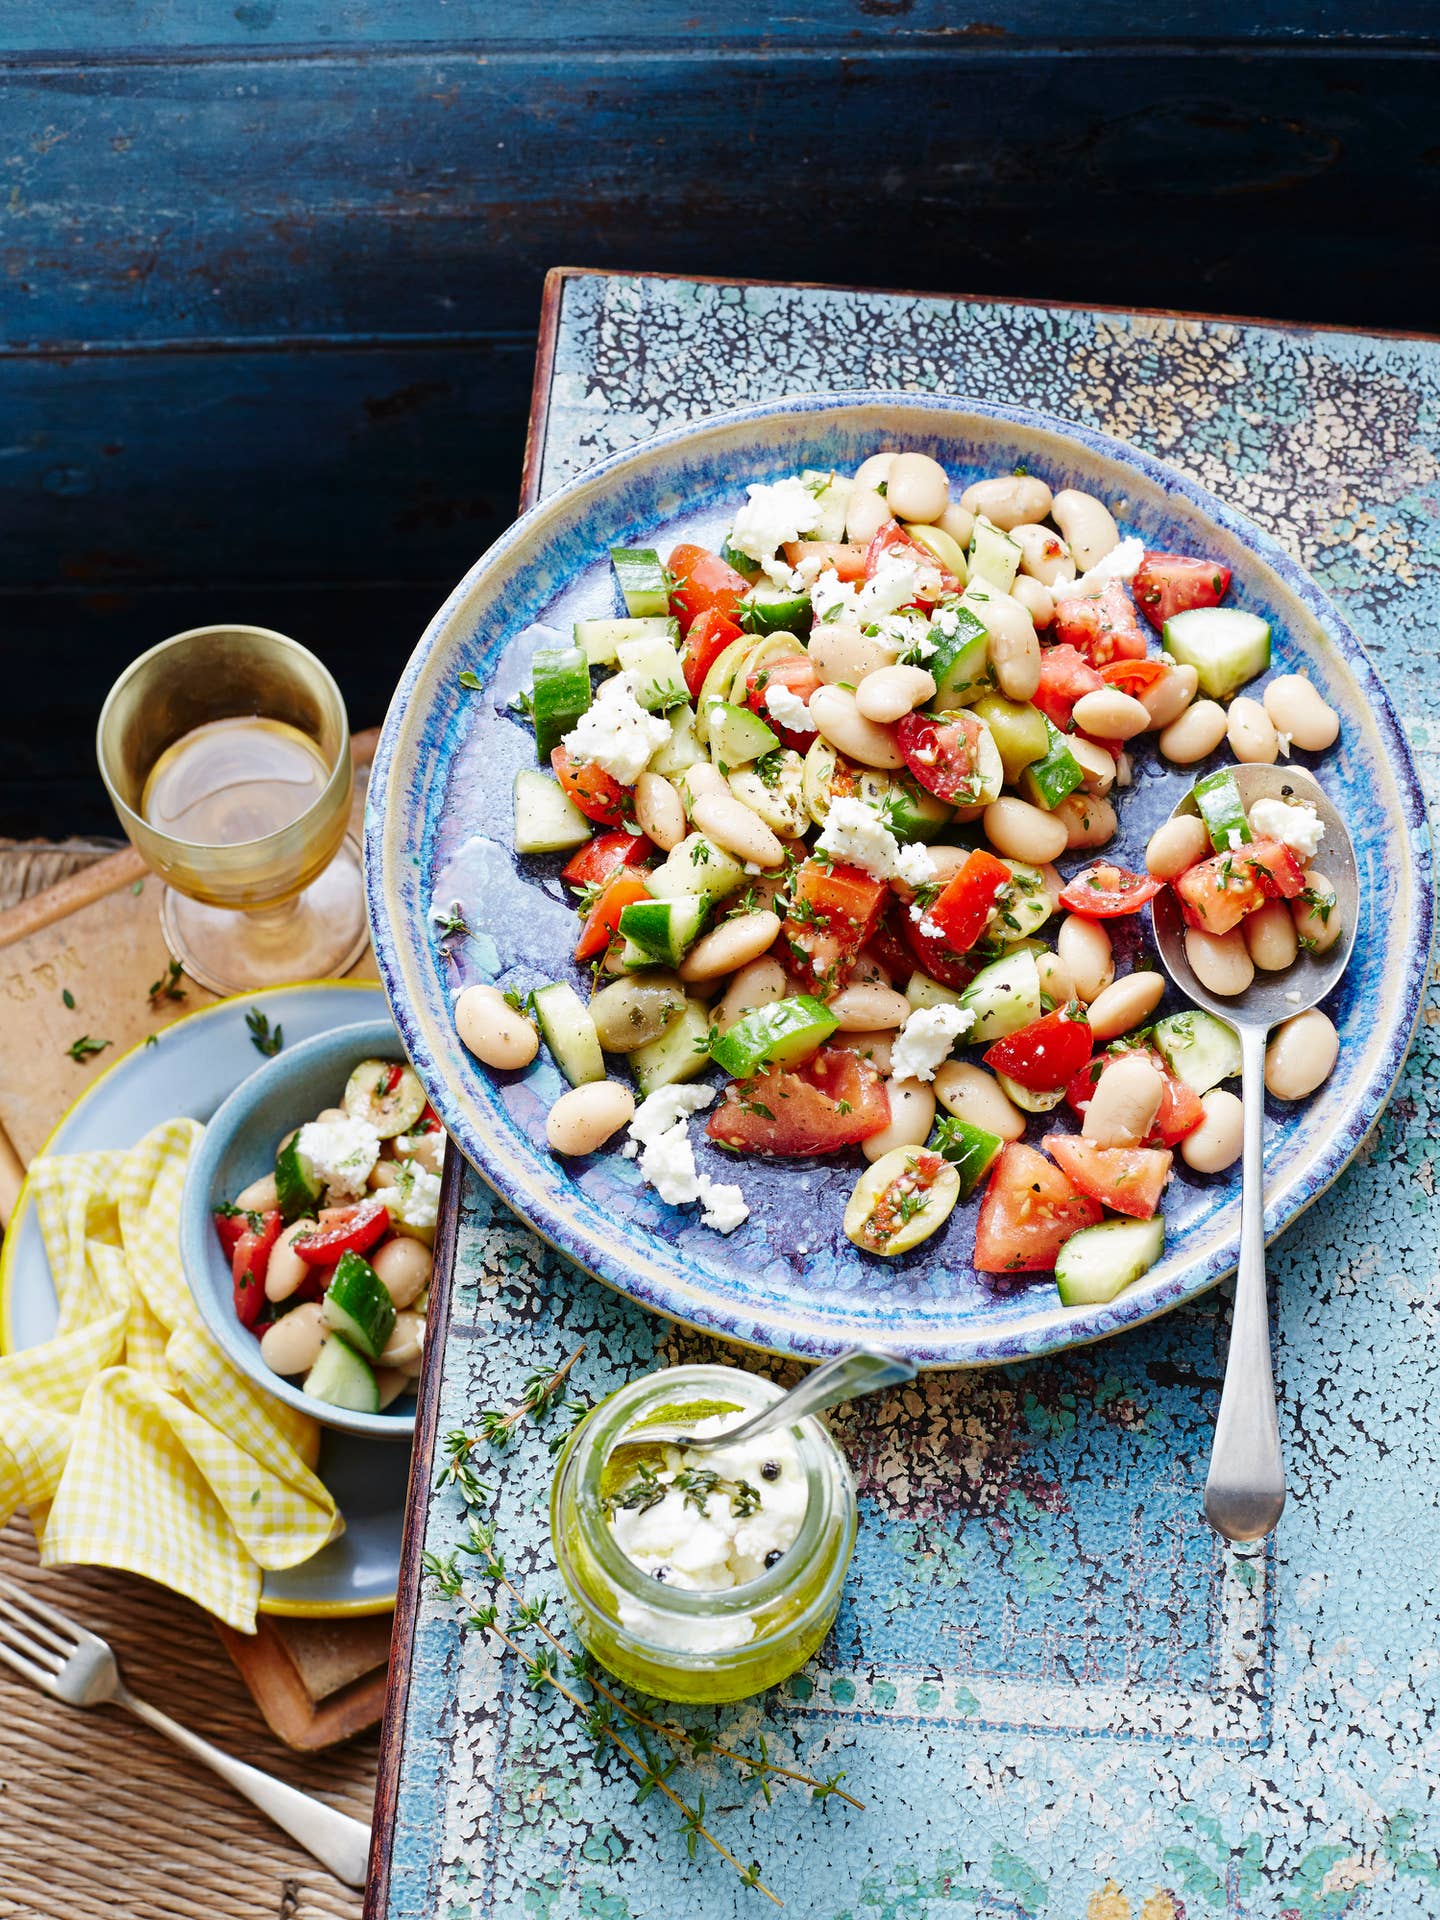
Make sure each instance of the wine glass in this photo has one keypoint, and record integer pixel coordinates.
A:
(226, 752)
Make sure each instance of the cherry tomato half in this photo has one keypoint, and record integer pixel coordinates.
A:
(1048, 1053)
(343, 1230)
(1105, 891)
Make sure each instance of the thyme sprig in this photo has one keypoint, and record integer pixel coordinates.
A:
(540, 1398)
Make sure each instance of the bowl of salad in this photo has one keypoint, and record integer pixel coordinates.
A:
(761, 848)
(307, 1224)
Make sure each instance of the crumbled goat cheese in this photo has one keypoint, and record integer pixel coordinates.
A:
(1298, 827)
(1236, 839)
(667, 1159)
(914, 865)
(855, 835)
(908, 634)
(789, 709)
(1282, 743)
(926, 1039)
(1121, 563)
(414, 1199)
(772, 517)
(341, 1152)
(898, 579)
(931, 928)
(831, 597)
(616, 733)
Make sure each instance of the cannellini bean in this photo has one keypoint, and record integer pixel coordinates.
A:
(260, 1196)
(1124, 1104)
(1167, 698)
(404, 1266)
(874, 1047)
(841, 722)
(699, 781)
(1023, 832)
(1220, 1137)
(1297, 709)
(1221, 961)
(1037, 600)
(327, 1114)
(390, 1383)
(426, 1149)
(958, 522)
(1110, 714)
(1088, 819)
(1317, 924)
(1095, 762)
(971, 1094)
(659, 811)
(1270, 936)
(734, 943)
(1124, 1004)
(912, 1114)
(1251, 733)
(493, 1031)
(1054, 883)
(1124, 771)
(758, 985)
(1087, 524)
(585, 1117)
(867, 968)
(407, 1338)
(292, 1344)
(285, 1269)
(868, 510)
(384, 1173)
(1197, 732)
(893, 692)
(917, 488)
(1300, 1055)
(1014, 649)
(1176, 845)
(1044, 556)
(731, 825)
(870, 1008)
(839, 651)
(874, 471)
(947, 862)
(1009, 500)
(1084, 946)
(1054, 978)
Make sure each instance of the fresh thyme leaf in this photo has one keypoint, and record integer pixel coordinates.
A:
(261, 1037)
(470, 681)
(85, 1047)
(167, 987)
(67, 997)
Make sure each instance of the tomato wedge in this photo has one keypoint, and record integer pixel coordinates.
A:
(1180, 1112)
(710, 633)
(1105, 891)
(963, 908)
(1133, 676)
(943, 755)
(599, 858)
(595, 793)
(847, 557)
(343, 1230)
(934, 955)
(1047, 1053)
(892, 538)
(1028, 1213)
(833, 912)
(798, 674)
(1065, 677)
(1103, 630)
(1168, 583)
(602, 922)
(429, 1122)
(1128, 1179)
(886, 945)
(230, 1226)
(702, 583)
(248, 1264)
(1216, 894)
(836, 1099)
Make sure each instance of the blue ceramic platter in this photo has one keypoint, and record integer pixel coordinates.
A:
(197, 1064)
(439, 827)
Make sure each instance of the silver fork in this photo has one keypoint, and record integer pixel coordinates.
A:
(49, 1650)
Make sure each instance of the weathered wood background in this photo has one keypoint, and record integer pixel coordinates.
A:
(271, 269)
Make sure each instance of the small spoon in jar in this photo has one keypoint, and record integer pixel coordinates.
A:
(847, 1377)
(1245, 1487)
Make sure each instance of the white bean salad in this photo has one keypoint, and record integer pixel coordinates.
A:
(812, 788)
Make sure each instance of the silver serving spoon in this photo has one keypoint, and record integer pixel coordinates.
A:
(847, 1377)
(1245, 1488)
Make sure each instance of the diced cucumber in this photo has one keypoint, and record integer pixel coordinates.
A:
(1024, 905)
(913, 814)
(1097, 1263)
(569, 1032)
(658, 677)
(969, 1149)
(946, 549)
(1026, 1098)
(832, 496)
(358, 1306)
(737, 736)
(297, 1185)
(771, 609)
(1018, 729)
(559, 694)
(960, 664)
(665, 929)
(682, 749)
(642, 581)
(696, 866)
(775, 790)
(599, 639)
(546, 818)
(823, 765)
(1225, 645)
(681, 1052)
(341, 1378)
(1046, 782)
(1198, 1049)
(1217, 799)
(717, 682)
(386, 1095)
(993, 556)
(922, 991)
(742, 563)
(1004, 997)
(775, 1035)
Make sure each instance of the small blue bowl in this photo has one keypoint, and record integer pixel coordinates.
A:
(238, 1146)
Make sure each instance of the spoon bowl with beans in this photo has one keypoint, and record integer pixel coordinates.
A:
(1245, 1487)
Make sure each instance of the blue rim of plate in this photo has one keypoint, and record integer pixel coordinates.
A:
(274, 1607)
(512, 1175)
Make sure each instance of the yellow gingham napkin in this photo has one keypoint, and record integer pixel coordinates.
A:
(130, 1437)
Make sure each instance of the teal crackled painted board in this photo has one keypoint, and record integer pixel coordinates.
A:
(1057, 1695)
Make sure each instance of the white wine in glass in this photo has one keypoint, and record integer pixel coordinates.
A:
(226, 752)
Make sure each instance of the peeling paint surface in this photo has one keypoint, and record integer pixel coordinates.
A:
(1056, 1692)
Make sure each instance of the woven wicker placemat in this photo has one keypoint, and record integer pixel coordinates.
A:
(100, 1816)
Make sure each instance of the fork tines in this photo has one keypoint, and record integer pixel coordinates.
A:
(27, 1642)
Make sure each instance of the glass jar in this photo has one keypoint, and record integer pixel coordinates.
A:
(683, 1644)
